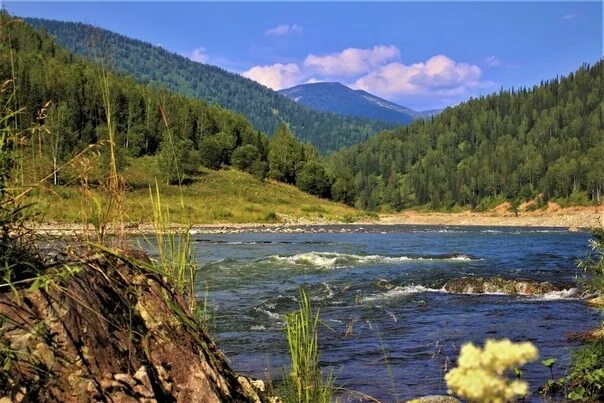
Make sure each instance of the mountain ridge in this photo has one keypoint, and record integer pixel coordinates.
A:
(263, 107)
(338, 98)
(418, 114)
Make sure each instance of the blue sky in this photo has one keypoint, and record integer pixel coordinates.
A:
(421, 55)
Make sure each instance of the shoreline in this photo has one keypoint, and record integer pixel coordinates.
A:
(572, 218)
(554, 216)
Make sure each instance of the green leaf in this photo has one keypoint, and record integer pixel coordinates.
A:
(549, 362)
(577, 394)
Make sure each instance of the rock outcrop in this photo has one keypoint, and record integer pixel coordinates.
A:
(106, 329)
(597, 302)
(478, 285)
(435, 399)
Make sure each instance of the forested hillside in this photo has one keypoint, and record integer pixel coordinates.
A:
(546, 143)
(542, 143)
(68, 101)
(264, 108)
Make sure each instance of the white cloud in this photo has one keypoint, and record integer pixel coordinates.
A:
(492, 61)
(438, 76)
(351, 61)
(283, 30)
(198, 55)
(570, 16)
(275, 76)
(378, 71)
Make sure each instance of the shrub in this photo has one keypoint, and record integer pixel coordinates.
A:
(343, 190)
(177, 160)
(579, 198)
(259, 169)
(314, 180)
(271, 216)
(489, 203)
(585, 380)
(210, 151)
(243, 157)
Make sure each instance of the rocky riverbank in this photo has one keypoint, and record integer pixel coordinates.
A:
(502, 215)
(104, 327)
(572, 218)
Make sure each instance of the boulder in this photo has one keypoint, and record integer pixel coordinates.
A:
(107, 327)
(499, 285)
(435, 399)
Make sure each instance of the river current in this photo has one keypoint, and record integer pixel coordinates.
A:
(388, 328)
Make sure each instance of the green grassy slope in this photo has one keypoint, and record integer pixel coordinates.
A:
(225, 196)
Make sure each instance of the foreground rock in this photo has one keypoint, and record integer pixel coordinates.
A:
(597, 302)
(499, 285)
(108, 330)
(591, 336)
(435, 399)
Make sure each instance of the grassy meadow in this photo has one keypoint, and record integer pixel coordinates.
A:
(211, 197)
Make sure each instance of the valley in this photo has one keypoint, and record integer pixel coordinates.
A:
(230, 202)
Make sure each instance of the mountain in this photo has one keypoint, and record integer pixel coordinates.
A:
(338, 98)
(540, 143)
(264, 108)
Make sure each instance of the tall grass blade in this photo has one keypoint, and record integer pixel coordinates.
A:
(305, 382)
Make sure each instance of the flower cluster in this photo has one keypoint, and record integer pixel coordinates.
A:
(480, 374)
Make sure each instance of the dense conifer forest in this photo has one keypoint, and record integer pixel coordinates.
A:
(264, 108)
(545, 142)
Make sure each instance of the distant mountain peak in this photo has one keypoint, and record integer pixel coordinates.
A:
(338, 98)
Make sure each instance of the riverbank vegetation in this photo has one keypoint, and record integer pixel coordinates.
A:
(305, 382)
(585, 378)
(212, 196)
(481, 374)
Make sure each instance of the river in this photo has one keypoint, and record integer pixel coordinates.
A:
(388, 329)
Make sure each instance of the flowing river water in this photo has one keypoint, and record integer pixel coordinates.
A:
(388, 329)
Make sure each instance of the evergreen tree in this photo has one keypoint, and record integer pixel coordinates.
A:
(284, 155)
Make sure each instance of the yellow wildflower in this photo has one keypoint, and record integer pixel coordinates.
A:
(480, 374)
